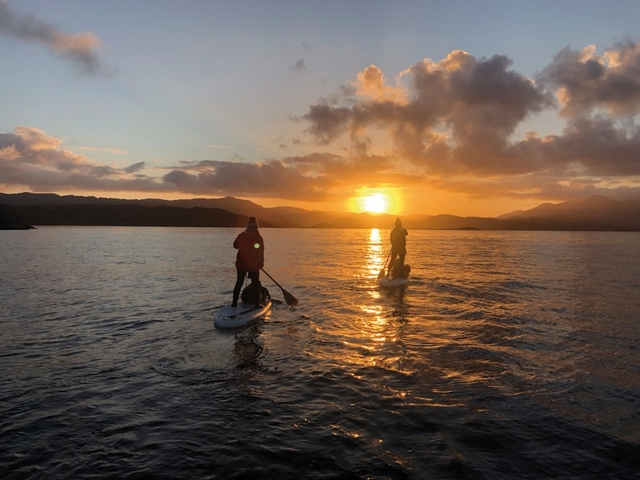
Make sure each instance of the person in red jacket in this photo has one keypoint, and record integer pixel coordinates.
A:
(250, 260)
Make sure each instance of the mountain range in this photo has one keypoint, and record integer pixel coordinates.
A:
(23, 209)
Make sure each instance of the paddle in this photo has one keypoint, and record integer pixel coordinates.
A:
(217, 306)
(240, 313)
(381, 274)
(290, 299)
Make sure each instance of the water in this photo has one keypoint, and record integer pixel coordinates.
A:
(509, 355)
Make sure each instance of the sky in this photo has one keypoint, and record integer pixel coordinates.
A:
(460, 107)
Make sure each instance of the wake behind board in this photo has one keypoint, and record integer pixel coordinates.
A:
(243, 314)
(386, 282)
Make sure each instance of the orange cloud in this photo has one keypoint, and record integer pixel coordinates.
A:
(458, 123)
(372, 84)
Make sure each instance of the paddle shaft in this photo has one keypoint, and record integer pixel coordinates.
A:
(385, 262)
(241, 313)
(290, 299)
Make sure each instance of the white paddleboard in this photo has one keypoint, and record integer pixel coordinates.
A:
(243, 314)
(386, 282)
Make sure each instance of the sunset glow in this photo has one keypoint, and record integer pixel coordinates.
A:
(375, 203)
(382, 200)
(474, 126)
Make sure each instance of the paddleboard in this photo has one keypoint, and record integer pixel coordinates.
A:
(395, 280)
(386, 282)
(243, 314)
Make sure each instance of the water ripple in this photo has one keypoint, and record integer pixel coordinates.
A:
(509, 355)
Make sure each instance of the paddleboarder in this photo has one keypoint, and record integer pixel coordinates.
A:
(398, 238)
(249, 261)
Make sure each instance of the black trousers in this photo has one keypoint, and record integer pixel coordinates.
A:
(397, 252)
(255, 281)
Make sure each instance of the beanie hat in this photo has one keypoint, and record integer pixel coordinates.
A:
(253, 223)
(398, 222)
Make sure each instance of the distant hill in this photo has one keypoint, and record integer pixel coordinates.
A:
(595, 213)
(600, 210)
(27, 198)
(11, 220)
(130, 215)
(280, 216)
(452, 222)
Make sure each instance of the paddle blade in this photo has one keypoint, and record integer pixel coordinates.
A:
(290, 299)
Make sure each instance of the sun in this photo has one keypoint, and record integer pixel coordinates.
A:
(369, 200)
(374, 203)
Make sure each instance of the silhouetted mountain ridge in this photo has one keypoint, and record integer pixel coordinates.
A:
(280, 216)
(11, 220)
(130, 215)
(594, 213)
(597, 209)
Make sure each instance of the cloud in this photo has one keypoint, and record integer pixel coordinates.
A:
(80, 49)
(299, 66)
(451, 124)
(541, 187)
(585, 81)
(34, 160)
(372, 84)
(220, 147)
(266, 179)
(103, 149)
(360, 168)
(312, 177)
(478, 103)
(455, 119)
(136, 167)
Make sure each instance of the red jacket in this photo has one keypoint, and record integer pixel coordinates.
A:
(250, 247)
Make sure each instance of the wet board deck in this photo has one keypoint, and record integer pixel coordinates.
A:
(243, 314)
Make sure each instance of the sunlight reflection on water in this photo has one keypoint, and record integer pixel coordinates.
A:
(515, 340)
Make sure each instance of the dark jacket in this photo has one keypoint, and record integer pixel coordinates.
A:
(398, 238)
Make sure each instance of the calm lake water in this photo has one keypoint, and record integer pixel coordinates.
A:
(509, 355)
